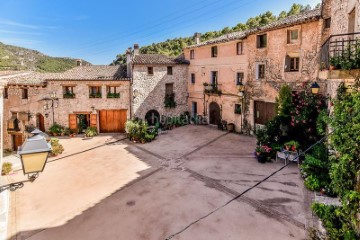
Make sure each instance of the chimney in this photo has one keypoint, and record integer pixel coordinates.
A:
(128, 62)
(197, 38)
(136, 49)
(79, 62)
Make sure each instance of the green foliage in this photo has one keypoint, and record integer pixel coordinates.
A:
(91, 132)
(6, 168)
(57, 148)
(169, 101)
(113, 95)
(349, 58)
(56, 128)
(284, 101)
(174, 47)
(335, 221)
(138, 131)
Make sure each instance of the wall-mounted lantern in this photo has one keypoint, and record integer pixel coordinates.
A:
(315, 88)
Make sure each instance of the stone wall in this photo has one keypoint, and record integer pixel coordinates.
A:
(81, 103)
(340, 10)
(149, 90)
(273, 56)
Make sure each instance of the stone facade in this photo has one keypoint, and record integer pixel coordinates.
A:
(149, 90)
(341, 18)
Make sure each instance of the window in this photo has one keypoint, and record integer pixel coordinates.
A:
(112, 92)
(260, 71)
(352, 21)
(214, 51)
(150, 70)
(239, 48)
(214, 78)
(95, 92)
(68, 92)
(292, 36)
(6, 95)
(194, 109)
(327, 23)
(193, 78)
(239, 78)
(237, 109)
(292, 64)
(169, 88)
(24, 93)
(261, 41)
(169, 70)
(192, 54)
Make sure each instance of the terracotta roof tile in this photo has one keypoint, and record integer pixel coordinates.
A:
(303, 17)
(144, 59)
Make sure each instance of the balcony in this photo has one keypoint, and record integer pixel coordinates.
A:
(341, 52)
(212, 89)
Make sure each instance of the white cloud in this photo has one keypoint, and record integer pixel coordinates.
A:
(22, 25)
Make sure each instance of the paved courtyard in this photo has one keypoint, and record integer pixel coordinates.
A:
(127, 191)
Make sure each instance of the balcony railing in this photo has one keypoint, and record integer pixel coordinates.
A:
(341, 51)
(212, 89)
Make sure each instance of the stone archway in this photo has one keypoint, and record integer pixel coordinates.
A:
(214, 113)
(152, 117)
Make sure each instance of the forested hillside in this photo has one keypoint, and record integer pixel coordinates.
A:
(173, 47)
(18, 58)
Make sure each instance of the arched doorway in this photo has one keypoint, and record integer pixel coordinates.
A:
(40, 122)
(214, 113)
(152, 117)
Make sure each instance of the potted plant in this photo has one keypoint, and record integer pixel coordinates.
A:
(262, 153)
(207, 86)
(6, 168)
(292, 145)
(334, 62)
(91, 132)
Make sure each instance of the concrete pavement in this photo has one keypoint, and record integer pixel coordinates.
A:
(151, 191)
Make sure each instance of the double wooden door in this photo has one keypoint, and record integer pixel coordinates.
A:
(112, 121)
(264, 111)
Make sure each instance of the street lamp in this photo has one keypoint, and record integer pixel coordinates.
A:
(52, 100)
(315, 88)
(33, 155)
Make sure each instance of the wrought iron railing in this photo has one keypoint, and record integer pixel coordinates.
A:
(339, 45)
(213, 89)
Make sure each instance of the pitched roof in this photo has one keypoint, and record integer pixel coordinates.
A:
(307, 16)
(93, 72)
(25, 78)
(160, 59)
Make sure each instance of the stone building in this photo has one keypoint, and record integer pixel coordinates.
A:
(97, 96)
(159, 85)
(262, 59)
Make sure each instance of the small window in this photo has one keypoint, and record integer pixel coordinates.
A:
(150, 70)
(112, 92)
(327, 23)
(6, 94)
(193, 78)
(214, 51)
(260, 71)
(95, 92)
(239, 48)
(214, 78)
(24, 93)
(169, 70)
(68, 92)
(169, 88)
(237, 109)
(192, 54)
(261, 41)
(292, 64)
(292, 36)
(239, 78)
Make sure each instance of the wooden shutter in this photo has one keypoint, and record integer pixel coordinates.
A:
(287, 63)
(93, 120)
(72, 122)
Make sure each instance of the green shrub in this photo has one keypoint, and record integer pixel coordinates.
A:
(56, 128)
(6, 168)
(138, 131)
(57, 148)
(91, 132)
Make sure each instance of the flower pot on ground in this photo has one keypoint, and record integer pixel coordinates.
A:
(262, 153)
(261, 158)
(231, 127)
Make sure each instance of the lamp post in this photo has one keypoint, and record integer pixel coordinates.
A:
(241, 94)
(50, 103)
(33, 155)
(315, 88)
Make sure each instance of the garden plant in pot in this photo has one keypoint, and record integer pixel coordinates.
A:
(262, 153)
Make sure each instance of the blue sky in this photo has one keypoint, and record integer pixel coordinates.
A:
(98, 30)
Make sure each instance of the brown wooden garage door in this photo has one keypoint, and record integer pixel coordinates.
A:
(112, 121)
(264, 111)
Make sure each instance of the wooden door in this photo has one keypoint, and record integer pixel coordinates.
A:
(73, 122)
(17, 141)
(214, 113)
(112, 121)
(264, 112)
(41, 122)
(93, 120)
